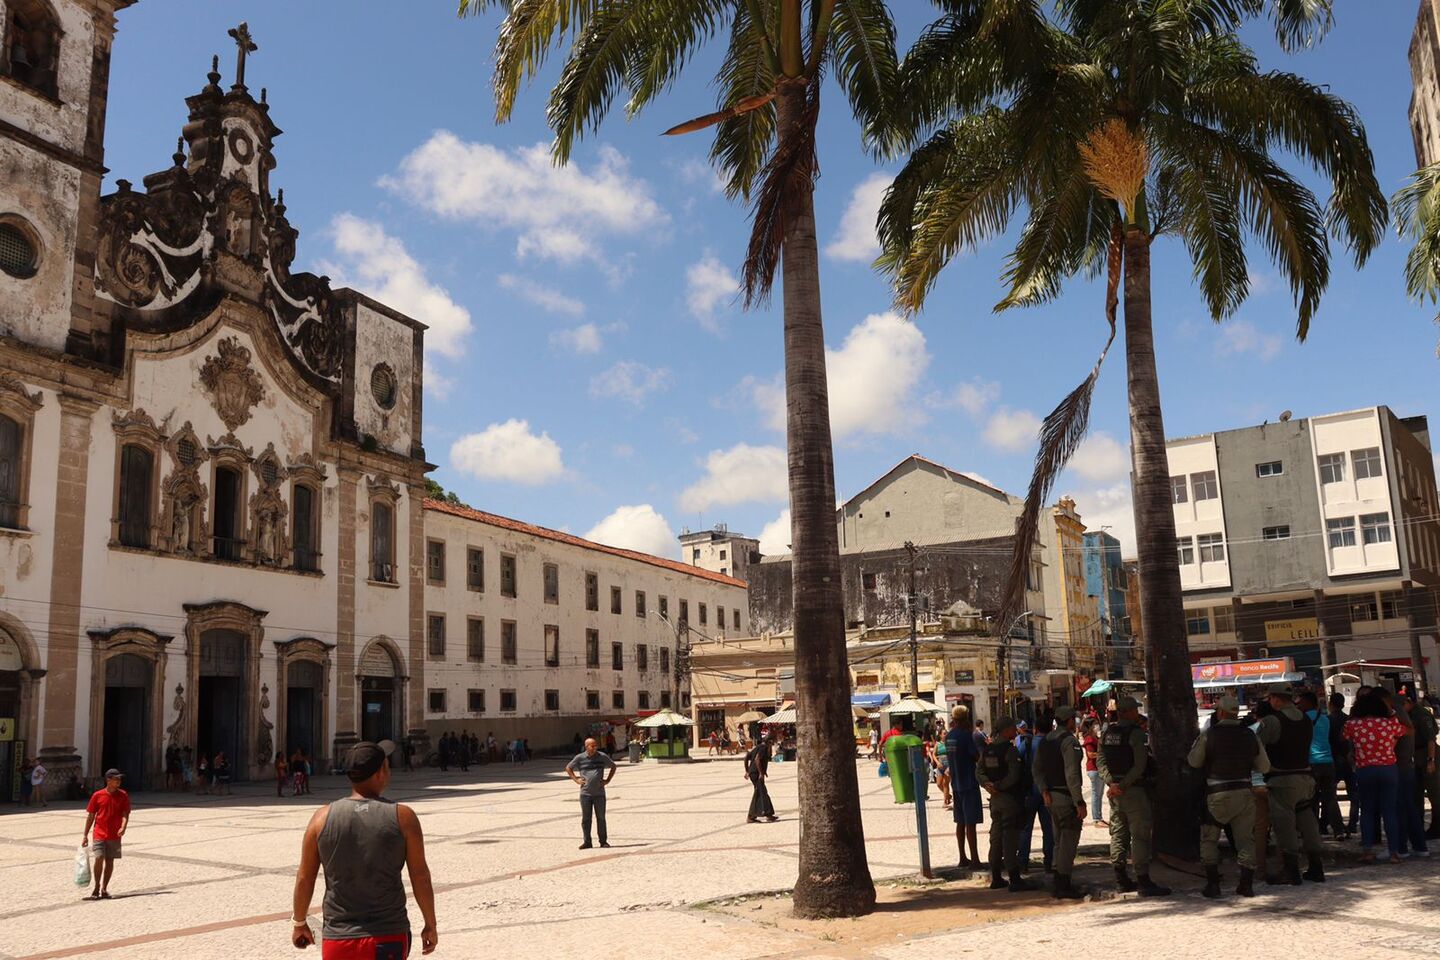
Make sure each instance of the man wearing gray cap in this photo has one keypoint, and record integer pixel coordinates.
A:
(1122, 759)
(364, 841)
(1286, 734)
(1229, 753)
(1000, 776)
(1058, 762)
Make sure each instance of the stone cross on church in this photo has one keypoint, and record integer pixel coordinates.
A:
(247, 46)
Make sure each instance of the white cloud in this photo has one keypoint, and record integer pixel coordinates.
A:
(709, 284)
(637, 527)
(1013, 430)
(872, 379)
(775, 535)
(856, 240)
(681, 430)
(1112, 509)
(974, 396)
(695, 171)
(379, 266)
(629, 380)
(1101, 459)
(561, 213)
(741, 474)
(510, 452)
(546, 298)
(1241, 337)
(437, 384)
(585, 338)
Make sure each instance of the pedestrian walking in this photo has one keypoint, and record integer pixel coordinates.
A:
(1343, 752)
(1122, 759)
(1090, 743)
(1058, 761)
(1230, 754)
(1287, 735)
(363, 842)
(1027, 742)
(108, 816)
(757, 768)
(592, 770)
(37, 776)
(963, 753)
(220, 770)
(1322, 763)
(1374, 732)
(282, 773)
(174, 774)
(1410, 796)
(202, 775)
(874, 743)
(1000, 775)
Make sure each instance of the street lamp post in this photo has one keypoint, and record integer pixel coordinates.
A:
(1004, 665)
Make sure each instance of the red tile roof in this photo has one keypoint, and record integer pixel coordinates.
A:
(505, 523)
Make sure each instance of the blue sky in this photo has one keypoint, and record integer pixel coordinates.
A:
(589, 367)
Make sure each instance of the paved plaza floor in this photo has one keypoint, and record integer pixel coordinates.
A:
(208, 876)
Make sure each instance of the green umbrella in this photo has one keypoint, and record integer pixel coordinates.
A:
(1097, 688)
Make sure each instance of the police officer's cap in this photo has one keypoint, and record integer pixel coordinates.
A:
(1127, 703)
(1280, 690)
(1229, 704)
(1064, 714)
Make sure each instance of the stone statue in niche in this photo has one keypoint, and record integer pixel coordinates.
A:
(266, 749)
(239, 216)
(267, 541)
(180, 531)
(172, 732)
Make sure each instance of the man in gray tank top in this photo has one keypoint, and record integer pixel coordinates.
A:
(363, 842)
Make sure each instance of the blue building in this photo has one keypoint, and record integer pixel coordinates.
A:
(1105, 581)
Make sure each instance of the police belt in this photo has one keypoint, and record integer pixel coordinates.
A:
(1222, 786)
(1301, 772)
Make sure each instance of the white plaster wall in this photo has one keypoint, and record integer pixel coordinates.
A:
(1188, 457)
(382, 610)
(46, 195)
(1343, 433)
(65, 124)
(380, 339)
(529, 677)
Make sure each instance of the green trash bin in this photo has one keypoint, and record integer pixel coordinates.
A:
(897, 761)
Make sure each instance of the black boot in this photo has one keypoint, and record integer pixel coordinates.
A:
(1123, 883)
(1149, 888)
(1065, 890)
(1246, 886)
(1316, 873)
(1212, 883)
(1019, 884)
(997, 881)
(1292, 869)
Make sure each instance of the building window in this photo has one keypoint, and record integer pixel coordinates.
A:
(868, 582)
(552, 645)
(507, 575)
(475, 569)
(722, 554)
(228, 513)
(507, 641)
(684, 613)
(1367, 462)
(642, 700)
(1332, 467)
(1186, 549)
(1390, 605)
(31, 54)
(1362, 609)
(642, 658)
(1197, 622)
(475, 700)
(12, 465)
(664, 608)
(592, 591)
(664, 699)
(592, 699)
(735, 616)
(507, 701)
(1281, 532)
(1212, 547)
(665, 660)
(1375, 527)
(305, 528)
(1224, 619)
(720, 617)
(1179, 493)
(384, 386)
(684, 700)
(552, 583)
(137, 470)
(1205, 485)
(435, 635)
(703, 620)
(435, 561)
(475, 639)
(695, 556)
(1274, 468)
(552, 701)
(382, 543)
(592, 649)
(617, 699)
(640, 604)
(1341, 531)
(437, 701)
(617, 656)
(615, 600)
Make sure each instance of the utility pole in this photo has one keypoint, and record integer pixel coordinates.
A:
(913, 604)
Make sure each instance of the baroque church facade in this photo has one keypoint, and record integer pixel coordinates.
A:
(211, 468)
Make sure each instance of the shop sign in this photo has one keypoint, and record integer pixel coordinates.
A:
(964, 676)
(7, 729)
(1302, 630)
(1241, 669)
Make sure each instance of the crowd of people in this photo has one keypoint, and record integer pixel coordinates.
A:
(462, 749)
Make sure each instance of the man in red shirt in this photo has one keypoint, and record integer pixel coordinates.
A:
(109, 815)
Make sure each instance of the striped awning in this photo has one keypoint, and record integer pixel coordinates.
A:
(784, 716)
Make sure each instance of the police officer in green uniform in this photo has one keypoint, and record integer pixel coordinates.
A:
(1122, 760)
(1058, 762)
(1230, 753)
(1286, 734)
(1000, 775)
(1427, 782)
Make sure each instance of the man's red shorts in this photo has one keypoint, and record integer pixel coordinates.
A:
(367, 948)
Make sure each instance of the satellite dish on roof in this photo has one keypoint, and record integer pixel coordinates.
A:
(1285, 416)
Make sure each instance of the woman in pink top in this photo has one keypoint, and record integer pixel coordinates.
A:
(1374, 731)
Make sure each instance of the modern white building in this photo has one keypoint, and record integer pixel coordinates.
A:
(536, 633)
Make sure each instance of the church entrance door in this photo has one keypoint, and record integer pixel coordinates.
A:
(302, 708)
(218, 705)
(127, 718)
(377, 700)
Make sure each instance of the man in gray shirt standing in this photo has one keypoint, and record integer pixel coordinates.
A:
(592, 770)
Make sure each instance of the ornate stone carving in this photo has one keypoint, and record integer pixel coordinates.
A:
(265, 742)
(12, 389)
(183, 527)
(234, 387)
(175, 730)
(270, 542)
(306, 468)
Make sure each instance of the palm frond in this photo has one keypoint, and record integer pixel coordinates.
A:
(529, 30)
(1417, 218)
(862, 41)
(792, 168)
(1068, 230)
(742, 142)
(665, 47)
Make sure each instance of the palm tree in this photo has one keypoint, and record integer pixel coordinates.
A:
(1417, 218)
(1111, 125)
(769, 81)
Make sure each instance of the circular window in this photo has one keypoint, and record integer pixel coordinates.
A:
(383, 385)
(18, 252)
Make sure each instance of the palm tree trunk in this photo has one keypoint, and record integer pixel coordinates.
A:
(1168, 685)
(834, 876)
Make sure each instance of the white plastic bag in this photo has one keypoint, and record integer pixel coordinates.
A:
(82, 867)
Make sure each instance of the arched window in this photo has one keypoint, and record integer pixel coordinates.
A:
(32, 46)
(305, 532)
(382, 542)
(137, 471)
(12, 450)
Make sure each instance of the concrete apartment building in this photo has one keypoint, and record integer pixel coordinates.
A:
(536, 633)
(719, 550)
(1314, 538)
(1425, 79)
(1107, 581)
